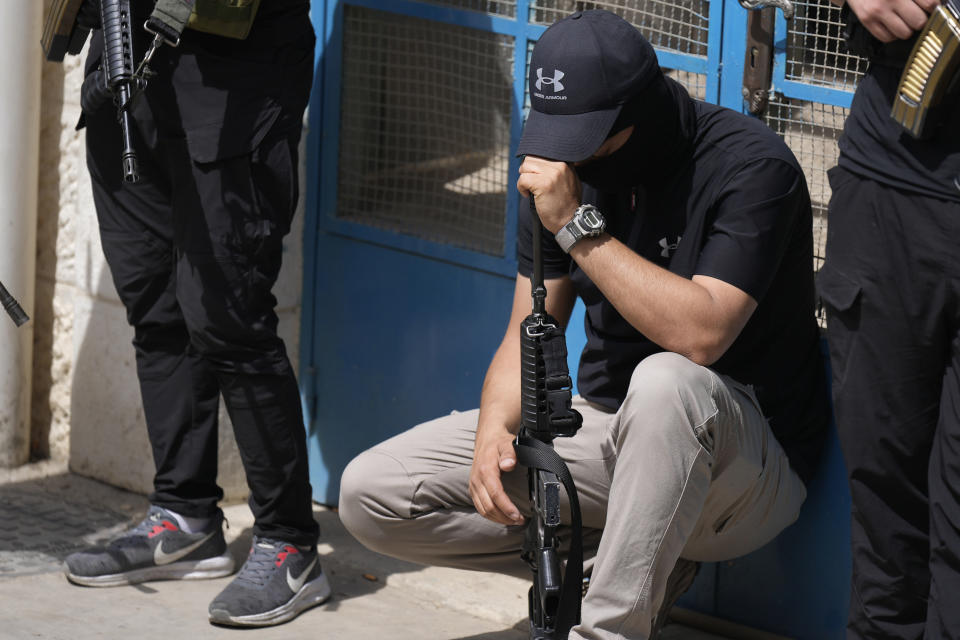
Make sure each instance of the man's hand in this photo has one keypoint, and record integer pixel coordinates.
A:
(555, 188)
(890, 20)
(493, 454)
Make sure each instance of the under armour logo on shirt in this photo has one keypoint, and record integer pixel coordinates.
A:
(553, 82)
(667, 247)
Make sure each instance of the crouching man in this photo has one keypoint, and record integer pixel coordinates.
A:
(685, 228)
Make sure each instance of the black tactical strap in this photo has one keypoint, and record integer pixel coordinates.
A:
(169, 18)
(558, 384)
(534, 454)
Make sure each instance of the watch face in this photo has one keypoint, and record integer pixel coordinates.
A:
(591, 218)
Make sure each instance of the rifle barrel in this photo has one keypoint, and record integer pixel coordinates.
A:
(118, 67)
(12, 307)
(539, 291)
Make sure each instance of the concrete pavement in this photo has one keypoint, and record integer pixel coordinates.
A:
(47, 512)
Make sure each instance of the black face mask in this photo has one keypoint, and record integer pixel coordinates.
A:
(620, 170)
(664, 124)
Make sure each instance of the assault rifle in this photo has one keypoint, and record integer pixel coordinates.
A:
(932, 70)
(546, 413)
(116, 78)
(118, 75)
(12, 307)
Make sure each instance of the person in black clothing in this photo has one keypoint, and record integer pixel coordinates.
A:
(891, 287)
(194, 249)
(701, 385)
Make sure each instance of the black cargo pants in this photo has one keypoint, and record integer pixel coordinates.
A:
(891, 287)
(194, 249)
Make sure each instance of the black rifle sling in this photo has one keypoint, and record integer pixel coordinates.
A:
(553, 346)
(534, 454)
(169, 18)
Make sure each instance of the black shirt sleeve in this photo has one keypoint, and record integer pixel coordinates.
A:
(756, 212)
(556, 263)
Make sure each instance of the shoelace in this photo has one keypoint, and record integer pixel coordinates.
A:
(260, 565)
(145, 526)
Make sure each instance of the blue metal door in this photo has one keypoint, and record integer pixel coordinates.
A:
(410, 231)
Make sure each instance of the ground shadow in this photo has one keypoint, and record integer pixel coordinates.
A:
(46, 519)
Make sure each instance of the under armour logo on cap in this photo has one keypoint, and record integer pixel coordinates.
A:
(605, 61)
(553, 82)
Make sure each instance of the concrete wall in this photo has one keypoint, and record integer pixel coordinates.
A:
(85, 402)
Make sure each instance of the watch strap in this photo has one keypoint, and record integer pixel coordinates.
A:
(580, 226)
(566, 237)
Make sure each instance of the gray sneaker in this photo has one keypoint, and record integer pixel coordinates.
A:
(276, 583)
(155, 549)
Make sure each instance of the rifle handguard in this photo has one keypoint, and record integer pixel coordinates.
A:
(546, 393)
(118, 70)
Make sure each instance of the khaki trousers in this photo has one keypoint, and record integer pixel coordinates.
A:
(688, 467)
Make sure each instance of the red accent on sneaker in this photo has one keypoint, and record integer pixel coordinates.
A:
(160, 528)
(282, 556)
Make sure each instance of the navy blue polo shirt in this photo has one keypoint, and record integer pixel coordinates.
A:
(737, 210)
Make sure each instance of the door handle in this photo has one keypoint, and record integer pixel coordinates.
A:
(784, 5)
(758, 57)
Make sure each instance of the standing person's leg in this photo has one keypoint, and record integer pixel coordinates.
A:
(179, 392)
(888, 349)
(235, 182)
(943, 616)
(236, 185)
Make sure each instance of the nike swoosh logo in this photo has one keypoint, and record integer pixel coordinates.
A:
(296, 583)
(161, 557)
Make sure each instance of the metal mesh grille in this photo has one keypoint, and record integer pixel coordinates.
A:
(676, 25)
(425, 129)
(816, 53)
(506, 8)
(811, 130)
(694, 83)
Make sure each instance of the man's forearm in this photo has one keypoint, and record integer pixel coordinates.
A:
(500, 399)
(678, 314)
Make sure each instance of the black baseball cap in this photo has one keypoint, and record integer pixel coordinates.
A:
(582, 70)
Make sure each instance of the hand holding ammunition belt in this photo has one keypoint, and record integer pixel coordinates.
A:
(931, 73)
(929, 85)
